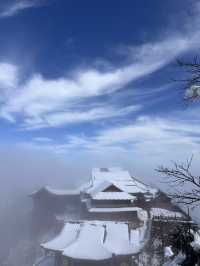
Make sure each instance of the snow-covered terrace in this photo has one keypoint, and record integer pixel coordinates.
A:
(67, 236)
(120, 242)
(98, 240)
(89, 244)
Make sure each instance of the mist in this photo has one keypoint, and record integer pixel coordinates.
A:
(24, 170)
(21, 172)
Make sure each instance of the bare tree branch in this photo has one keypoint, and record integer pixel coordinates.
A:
(180, 175)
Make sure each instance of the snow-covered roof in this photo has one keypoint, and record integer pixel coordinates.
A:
(110, 174)
(121, 209)
(113, 196)
(102, 178)
(89, 245)
(57, 192)
(158, 212)
(121, 241)
(133, 186)
(98, 240)
(68, 234)
(99, 186)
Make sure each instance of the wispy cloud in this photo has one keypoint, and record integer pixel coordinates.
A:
(18, 6)
(42, 139)
(146, 134)
(39, 102)
(142, 145)
(8, 75)
(72, 117)
(40, 99)
(146, 141)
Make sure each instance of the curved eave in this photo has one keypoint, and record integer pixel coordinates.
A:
(55, 192)
(51, 249)
(88, 259)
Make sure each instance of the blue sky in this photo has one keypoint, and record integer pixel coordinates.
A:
(92, 80)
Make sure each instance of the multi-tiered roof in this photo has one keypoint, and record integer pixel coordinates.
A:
(114, 190)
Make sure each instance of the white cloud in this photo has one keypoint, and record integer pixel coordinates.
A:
(8, 75)
(70, 117)
(41, 102)
(38, 96)
(141, 146)
(42, 139)
(147, 135)
(18, 6)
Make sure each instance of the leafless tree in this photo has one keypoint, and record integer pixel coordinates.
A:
(186, 185)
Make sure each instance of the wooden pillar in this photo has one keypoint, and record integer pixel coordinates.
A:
(55, 260)
(113, 260)
(58, 259)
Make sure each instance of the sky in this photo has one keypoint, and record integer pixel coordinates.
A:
(92, 83)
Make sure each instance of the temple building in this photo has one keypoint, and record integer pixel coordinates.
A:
(105, 222)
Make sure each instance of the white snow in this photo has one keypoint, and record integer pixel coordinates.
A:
(111, 174)
(119, 178)
(168, 252)
(142, 214)
(58, 192)
(118, 240)
(99, 186)
(113, 196)
(98, 240)
(196, 243)
(121, 209)
(133, 186)
(176, 261)
(89, 245)
(68, 234)
(193, 92)
(158, 212)
(63, 192)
